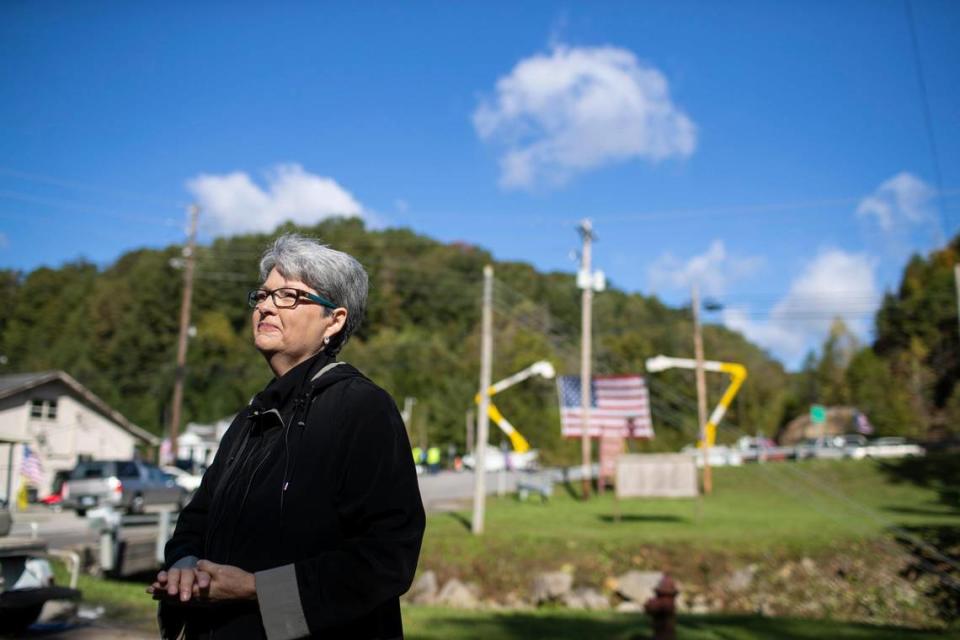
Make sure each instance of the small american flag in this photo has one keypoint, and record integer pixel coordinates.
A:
(31, 468)
(863, 424)
(615, 402)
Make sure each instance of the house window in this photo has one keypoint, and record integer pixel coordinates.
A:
(43, 409)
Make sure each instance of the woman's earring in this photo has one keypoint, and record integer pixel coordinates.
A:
(326, 340)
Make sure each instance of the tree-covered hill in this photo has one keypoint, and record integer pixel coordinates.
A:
(115, 330)
(908, 381)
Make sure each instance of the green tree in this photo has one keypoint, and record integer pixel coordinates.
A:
(875, 391)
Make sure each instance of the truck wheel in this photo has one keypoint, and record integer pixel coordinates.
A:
(136, 505)
(81, 512)
(17, 620)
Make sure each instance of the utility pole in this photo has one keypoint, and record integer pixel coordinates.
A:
(188, 255)
(956, 280)
(701, 389)
(470, 425)
(585, 282)
(407, 415)
(483, 418)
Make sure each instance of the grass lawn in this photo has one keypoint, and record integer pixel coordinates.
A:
(431, 623)
(805, 506)
(125, 602)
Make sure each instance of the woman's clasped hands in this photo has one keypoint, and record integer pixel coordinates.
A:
(208, 581)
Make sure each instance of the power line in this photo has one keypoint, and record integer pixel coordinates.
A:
(86, 208)
(650, 215)
(740, 210)
(927, 119)
(69, 184)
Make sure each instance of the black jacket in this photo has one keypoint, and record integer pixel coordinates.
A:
(313, 489)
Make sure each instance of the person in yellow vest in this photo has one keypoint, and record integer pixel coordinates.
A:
(23, 497)
(417, 456)
(433, 459)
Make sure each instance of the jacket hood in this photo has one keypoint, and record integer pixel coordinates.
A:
(332, 373)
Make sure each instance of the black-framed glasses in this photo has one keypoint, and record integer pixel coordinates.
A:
(287, 298)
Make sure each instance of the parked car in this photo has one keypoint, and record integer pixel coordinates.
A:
(893, 448)
(497, 460)
(188, 481)
(55, 499)
(819, 448)
(855, 445)
(128, 485)
(761, 449)
(720, 455)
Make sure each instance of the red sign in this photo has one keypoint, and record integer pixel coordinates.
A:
(611, 446)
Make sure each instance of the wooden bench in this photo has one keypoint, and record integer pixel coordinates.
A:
(541, 485)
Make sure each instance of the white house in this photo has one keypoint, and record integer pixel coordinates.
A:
(199, 442)
(61, 421)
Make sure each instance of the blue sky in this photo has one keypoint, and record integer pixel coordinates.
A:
(774, 152)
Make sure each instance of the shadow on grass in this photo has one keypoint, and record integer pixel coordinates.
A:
(566, 625)
(933, 511)
(935, 549)
(636, 517)
(462, 519)
(525, 626)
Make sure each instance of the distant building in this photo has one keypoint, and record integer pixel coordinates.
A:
(60, 421)
(199, 442)
(840, 420)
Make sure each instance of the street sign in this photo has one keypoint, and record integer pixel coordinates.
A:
(818, 414)
(611, 446)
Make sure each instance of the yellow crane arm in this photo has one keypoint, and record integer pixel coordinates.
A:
(737, 372)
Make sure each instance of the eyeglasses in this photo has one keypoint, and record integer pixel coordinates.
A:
(287, 298)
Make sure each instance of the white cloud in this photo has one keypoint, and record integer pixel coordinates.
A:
(236, 204)
(579, 108)
(834, 284)
(904, 198)
(713, 270)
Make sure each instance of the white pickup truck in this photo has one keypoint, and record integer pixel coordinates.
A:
(891, 447)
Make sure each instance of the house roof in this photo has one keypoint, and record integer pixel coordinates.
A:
(17, 382)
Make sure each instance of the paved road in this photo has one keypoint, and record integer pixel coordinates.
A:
(449, 491)
(59, 530)
(86, 631)
(444, 491)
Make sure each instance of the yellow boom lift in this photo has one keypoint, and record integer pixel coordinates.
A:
(737, 372)
(542, 368)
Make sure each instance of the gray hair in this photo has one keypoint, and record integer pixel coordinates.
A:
(334, 274)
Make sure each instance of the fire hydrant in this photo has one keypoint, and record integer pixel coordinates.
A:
(662, 608)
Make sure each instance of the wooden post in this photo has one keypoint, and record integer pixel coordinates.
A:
(177, 404)
(701, 391)
(483, 417)
(586, 276)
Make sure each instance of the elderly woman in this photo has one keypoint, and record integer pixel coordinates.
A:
(309, 521)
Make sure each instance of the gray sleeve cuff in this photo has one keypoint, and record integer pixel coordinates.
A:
(186, 562)
(279, 598)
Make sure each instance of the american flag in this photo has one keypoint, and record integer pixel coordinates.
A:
(615, 402)
(31, 468)
(863, 424)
